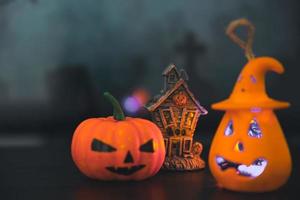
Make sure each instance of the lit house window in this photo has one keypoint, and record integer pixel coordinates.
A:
(175, 147)
(167, 117)
(187, 145)
(188, 118)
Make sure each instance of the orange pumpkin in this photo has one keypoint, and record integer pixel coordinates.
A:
(118, 148)
(249, 151)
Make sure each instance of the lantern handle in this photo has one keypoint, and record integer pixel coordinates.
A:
(246, 45)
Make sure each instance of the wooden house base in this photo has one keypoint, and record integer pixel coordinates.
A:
(186, 162)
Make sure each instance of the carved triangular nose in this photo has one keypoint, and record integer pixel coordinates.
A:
(128, 158)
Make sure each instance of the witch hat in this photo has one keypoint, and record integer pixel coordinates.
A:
(250, 90)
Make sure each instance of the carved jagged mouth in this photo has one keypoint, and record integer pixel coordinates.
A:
(253, 170)
(126, 171)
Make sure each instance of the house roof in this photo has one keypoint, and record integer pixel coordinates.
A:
(169, 69)
(152, 105)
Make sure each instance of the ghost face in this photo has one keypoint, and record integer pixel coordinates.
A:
(249, 151)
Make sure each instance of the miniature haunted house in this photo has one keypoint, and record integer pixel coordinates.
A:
(176, 111)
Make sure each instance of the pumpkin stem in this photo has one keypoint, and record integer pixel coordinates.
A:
(118, 112)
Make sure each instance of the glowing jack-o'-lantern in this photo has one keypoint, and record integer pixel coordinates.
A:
(180, 99)
(118, 148)
(249, 151)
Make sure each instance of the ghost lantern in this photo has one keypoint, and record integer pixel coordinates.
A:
(249, 152)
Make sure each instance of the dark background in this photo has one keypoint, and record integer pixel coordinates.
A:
(57, 57)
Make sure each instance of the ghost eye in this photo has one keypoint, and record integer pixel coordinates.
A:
(229, 129)
(147, 147)
(254, 129)
(253, 79)
(100, 146)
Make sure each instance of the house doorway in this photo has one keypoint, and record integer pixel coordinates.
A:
(175, 147)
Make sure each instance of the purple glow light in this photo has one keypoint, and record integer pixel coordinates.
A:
(255, 109)
(253, 79)
(131, 104)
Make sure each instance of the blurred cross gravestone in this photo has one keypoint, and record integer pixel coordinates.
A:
(190, 49)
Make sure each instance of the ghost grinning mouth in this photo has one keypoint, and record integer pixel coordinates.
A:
(253, 170)
(126, 171)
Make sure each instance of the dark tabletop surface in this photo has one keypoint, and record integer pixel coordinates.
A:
(42, 168)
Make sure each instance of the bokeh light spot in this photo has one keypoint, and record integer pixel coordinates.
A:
(131, 104)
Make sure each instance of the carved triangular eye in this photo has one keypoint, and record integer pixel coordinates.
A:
(147, 147)
(254, 129)
(229, 128)
(100, 146)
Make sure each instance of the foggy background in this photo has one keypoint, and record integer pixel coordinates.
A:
(57, 57)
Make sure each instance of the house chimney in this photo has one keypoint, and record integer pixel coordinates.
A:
(184, 75)
(171, 76)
